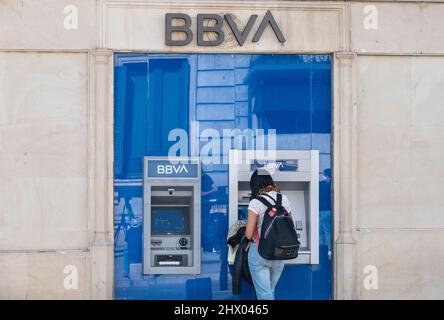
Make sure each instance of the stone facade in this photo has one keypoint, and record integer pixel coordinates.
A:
(56, 124)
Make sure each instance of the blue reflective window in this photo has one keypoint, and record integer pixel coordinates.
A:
(155, 93)
(280, 90)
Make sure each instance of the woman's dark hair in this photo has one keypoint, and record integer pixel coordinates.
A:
(259, 181)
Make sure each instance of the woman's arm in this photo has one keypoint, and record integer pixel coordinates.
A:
(251, 224)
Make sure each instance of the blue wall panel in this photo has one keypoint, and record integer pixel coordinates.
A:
(156, 93)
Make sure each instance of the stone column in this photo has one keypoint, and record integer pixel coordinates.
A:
(345, 175)
(101, 173)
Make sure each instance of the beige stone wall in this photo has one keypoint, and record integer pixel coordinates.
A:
(41, 275)
(56, 130)
(402, 28)
(43, 130)
(30, 24)
(400, 173)
(43, 173)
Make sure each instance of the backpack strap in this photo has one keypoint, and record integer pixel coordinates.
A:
(256, 236)
(269, 197)
(279, 199)
(264, 201)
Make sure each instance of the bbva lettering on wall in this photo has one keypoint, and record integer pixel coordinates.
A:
(216, 27)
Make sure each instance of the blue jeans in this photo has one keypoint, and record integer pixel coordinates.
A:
(265, 273)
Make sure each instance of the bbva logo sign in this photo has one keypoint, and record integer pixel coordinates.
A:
(216, 28)
(171, 169)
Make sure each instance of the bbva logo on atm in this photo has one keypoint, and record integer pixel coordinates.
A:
(213, 23)
(171, 169)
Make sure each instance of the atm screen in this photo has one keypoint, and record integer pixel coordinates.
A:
(171, 220)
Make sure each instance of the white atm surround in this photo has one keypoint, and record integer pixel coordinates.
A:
(301, 187)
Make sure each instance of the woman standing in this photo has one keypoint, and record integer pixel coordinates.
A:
(265, 273)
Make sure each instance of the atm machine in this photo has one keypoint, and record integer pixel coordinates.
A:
(171, 204)
(296, 173)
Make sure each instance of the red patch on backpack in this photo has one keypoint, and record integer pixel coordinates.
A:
(272, 212)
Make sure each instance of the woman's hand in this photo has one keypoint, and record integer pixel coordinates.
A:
(251, 224)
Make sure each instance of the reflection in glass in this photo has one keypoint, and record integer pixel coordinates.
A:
(155, 93)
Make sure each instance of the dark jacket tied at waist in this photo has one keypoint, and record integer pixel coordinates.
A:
(240, 266)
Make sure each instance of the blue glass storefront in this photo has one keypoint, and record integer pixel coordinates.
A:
(156, 93)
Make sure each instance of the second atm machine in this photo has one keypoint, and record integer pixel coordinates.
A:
(296, 173)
